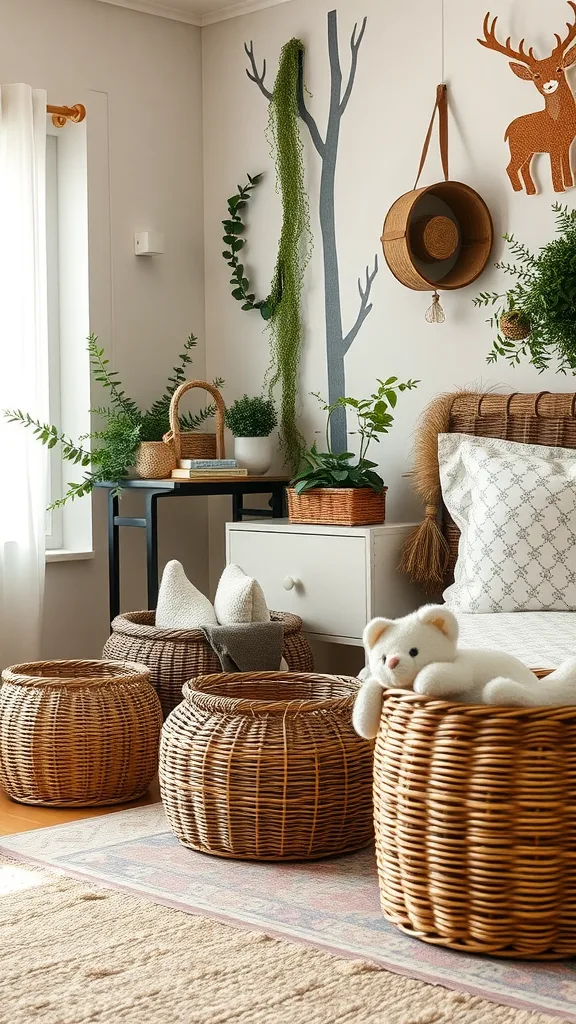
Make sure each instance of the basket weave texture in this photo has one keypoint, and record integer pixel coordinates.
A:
(475, 819)
(78, 733)
(337, 506)
(267, 766)
(175, 656)
(155, 460)
(190, 444)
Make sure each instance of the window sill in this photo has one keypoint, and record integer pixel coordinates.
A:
(64, 555)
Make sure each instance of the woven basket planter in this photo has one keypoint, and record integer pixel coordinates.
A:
(267, 766)
(155, 460)
(475, 819)
(78, 733)
(337, 506)
(176, 655)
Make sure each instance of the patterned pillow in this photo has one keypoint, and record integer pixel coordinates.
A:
(515, 506)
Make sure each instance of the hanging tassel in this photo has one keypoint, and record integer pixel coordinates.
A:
(435, 313)
(425, 554)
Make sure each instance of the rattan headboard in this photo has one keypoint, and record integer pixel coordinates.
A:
(544, 418)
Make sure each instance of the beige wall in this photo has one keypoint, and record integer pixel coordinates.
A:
(142, 75)
(400, 64)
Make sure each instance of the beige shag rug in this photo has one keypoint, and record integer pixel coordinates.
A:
(75, 954)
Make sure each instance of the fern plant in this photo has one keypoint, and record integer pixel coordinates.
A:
(121, 428)
(544, 295)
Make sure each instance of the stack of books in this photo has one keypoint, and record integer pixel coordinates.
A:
(208, 469)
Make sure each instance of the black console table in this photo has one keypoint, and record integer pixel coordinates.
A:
(155, 489)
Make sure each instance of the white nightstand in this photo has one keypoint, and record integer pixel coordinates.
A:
(336, 578)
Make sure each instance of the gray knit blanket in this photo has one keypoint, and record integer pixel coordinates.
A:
(247, 647)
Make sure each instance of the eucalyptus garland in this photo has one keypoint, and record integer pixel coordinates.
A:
(234, 227)
(282, 308)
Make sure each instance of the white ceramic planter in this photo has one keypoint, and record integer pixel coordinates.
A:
(254, 454)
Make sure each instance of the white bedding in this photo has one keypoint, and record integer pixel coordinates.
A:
(539, 639)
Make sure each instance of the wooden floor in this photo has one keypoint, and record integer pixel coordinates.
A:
(23, 817)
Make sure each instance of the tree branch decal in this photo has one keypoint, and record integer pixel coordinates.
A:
(255, 76)
(365, 304)
(354, 47)
(337, 344)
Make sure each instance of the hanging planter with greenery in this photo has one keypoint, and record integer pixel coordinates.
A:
(536, 318)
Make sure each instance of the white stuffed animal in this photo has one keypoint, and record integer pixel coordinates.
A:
(420, 652)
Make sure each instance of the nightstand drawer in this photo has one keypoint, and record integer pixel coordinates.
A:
(322, 578)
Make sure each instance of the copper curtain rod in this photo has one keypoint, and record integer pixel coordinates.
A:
(60, 115)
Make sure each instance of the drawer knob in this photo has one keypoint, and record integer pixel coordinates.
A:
(289, 583)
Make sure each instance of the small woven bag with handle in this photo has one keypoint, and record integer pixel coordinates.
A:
(190, 444)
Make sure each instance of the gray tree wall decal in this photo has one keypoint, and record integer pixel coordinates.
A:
(337, 342)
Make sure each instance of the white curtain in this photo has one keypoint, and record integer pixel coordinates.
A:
(23, 368)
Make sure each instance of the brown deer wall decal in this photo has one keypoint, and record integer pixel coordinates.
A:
(551, 130)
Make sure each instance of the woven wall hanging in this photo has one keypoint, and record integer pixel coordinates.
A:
(551, 130)
(440, 236)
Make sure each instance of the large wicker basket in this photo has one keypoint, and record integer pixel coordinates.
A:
(337, 506)
(475, 818)
(78, 733)
(176, 655)
(267, 766)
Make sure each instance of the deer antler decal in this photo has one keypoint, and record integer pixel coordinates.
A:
(551, 130)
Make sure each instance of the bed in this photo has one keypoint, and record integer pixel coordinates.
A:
(541, 639)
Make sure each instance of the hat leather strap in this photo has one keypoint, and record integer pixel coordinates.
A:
(441, 106)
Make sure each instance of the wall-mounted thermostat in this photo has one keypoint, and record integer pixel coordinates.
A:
(148, 243)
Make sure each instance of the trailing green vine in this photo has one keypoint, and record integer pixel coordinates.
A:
(282, 308)
(536, 317)
(294, 248)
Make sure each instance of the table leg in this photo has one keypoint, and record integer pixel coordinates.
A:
(237, 508)
(113, 556)
(277, 503)
(152, 548)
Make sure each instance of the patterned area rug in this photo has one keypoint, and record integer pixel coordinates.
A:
(331, 904)
(79, 954)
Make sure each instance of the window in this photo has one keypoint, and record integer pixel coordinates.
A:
(68, 530)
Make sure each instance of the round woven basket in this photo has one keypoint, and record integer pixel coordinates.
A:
(155, 460)
(174, 656)
(402, 249)
(267, 766)
(78, 733)
(475, 820)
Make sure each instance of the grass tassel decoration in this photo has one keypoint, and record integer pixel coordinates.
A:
(425, 554)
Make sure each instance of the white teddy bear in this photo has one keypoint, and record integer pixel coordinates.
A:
(420, 652)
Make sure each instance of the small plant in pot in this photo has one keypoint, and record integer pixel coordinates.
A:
(342, 489)
(252, 421)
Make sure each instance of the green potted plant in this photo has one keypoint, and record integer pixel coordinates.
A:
(535, 318)
(125, 436)
(341, 489)
(252, 420)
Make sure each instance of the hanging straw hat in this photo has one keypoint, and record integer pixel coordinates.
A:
(439, 236)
